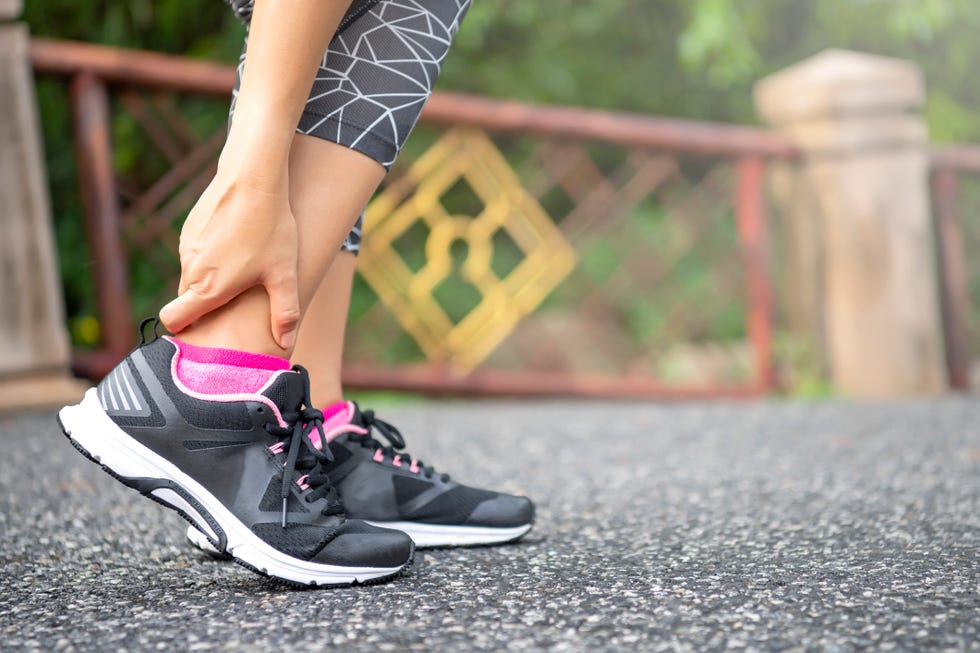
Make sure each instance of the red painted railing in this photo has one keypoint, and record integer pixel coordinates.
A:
(93, 71)
(949, 167)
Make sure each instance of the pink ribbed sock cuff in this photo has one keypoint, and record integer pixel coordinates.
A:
(215, 371)
(336, 422)
(331, 411)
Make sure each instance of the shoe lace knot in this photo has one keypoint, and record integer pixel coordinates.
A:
(302, 455)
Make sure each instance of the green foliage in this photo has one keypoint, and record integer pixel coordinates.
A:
(716, 40)
(191, 27)
(699, 58)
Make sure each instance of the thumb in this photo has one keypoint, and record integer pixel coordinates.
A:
(284, 309)
(188, 308)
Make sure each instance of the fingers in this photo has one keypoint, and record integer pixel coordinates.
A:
(193, 303)
(284, 308)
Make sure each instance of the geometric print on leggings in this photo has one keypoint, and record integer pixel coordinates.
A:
(377, 74)
(352, 243)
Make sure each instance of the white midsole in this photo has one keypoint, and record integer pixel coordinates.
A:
(427, 535)
(198, 539)
(89, 426)
(424, 535)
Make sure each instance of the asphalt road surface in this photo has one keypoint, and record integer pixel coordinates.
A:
(692, 527)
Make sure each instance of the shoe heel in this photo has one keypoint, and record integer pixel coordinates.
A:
(96, 436)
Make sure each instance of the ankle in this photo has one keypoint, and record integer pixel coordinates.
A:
(324, 395)
(242, 324)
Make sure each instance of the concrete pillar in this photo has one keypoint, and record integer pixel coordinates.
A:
(865, 170)
(34, 346)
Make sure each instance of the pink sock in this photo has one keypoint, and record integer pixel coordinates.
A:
(336, 421)
(332, 411)
(214, 371)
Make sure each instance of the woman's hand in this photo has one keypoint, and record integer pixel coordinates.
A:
(240, 234)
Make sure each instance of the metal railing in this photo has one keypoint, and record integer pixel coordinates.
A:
(700, 186)
(955, 182)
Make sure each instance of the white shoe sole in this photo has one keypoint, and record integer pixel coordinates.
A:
(424, 535)
(95, 435)
(442, 535)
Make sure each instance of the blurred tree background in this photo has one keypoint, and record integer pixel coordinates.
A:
(690, 58)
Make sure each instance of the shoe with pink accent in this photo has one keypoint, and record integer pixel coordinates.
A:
(224, 438)
(386, 487)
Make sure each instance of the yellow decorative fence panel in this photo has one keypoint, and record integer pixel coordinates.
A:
(468, 156)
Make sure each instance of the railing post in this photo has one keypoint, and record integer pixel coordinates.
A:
(750, 219)
(856, 119)
(93, 153)
(34, 352)
(952, 278)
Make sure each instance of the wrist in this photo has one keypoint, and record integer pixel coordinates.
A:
(255, 154)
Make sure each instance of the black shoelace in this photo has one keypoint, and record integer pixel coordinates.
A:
(394, 437)
(302, 455)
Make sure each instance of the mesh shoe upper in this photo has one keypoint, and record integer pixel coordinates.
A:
(380, 482)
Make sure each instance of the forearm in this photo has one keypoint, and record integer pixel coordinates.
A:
(287, 41)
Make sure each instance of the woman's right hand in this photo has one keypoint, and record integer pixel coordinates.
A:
(240, 234)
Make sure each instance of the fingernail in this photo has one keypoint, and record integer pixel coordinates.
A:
(288, 340)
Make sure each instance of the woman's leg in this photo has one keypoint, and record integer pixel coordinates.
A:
(367, 95)
(224, 436)
(320, 344)
(241, 234)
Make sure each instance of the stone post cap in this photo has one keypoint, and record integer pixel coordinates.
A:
(10, 9)
(840, 83)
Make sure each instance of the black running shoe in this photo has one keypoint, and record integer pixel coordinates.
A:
(385, 486)
(241, 468)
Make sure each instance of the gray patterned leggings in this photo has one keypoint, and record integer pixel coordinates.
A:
(375, 76)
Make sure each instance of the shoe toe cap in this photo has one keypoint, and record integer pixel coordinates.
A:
(357, 544)
(504, 510)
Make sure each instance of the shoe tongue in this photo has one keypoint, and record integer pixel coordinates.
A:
(286, 391)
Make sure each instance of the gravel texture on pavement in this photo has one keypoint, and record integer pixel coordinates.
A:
(690, 527)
